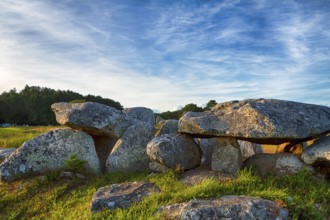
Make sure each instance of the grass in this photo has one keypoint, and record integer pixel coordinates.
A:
(13, 137)
(55, 198)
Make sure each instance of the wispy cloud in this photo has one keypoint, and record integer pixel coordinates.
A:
(162, 55)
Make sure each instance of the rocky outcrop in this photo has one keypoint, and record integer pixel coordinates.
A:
(129, 153)
(226, 156)
(276, 164)
(174, 150)
(264, 121)
(121, 195)
(168, 127)
(49, 151)
(6, 152)
(141, 114)
(226, 207)
(318, 154)
(248, 149)
(93, 118)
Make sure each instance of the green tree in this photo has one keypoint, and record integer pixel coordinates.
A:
(210, 104)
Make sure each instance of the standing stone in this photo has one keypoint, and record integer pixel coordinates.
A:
(318, 154)
(281, 164)
(159, 119)
(6, 152)
(141, 114)
(207, 146)
(168, 127)
(249, 149)
(121, 195)
(226, 156)
(226, 207)
(264, 121)
(49, 151)
(93, 118)
(129, 154)
(174, 150)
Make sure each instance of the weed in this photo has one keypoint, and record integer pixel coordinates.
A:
(74, 164)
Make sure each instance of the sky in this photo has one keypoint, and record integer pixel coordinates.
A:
(165, 54)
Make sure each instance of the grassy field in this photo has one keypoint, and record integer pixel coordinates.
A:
(304, 195)
(15, 136)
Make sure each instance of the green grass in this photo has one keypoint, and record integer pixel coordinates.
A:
(13, 137)
(70, 199)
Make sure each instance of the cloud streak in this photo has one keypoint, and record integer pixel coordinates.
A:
(162, 55)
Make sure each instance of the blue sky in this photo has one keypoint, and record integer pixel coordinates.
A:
(163, 54)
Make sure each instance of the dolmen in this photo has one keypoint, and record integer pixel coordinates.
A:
(224, 139)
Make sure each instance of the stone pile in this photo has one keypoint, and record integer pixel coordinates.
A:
(224, 139)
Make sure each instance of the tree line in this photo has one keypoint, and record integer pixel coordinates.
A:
(189, 107)
(31, 106)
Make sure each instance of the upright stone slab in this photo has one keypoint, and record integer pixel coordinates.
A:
(226, 156)
(173, 150)
(318, 153)
(264, 121)
(129, 154)
(249, 149)
(93, 118)
(207, 146)
(142, 114)
(281, 164)
(168, 127)
(49, 151)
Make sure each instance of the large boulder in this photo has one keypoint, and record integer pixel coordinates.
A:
(226, 207)
(5, 152)
(249, 149)
(226, 156)
(141, 114)
(168, 127)
(129, 154)
(276, 164)
(173, 150)
(264, 121)
(318, 154)
(92, 117)
(121, 195)
(49, 151)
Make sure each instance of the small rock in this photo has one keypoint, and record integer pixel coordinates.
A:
(197, 175)
(66, 175)
(154, 166)
(80, 176)
(121, 195)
